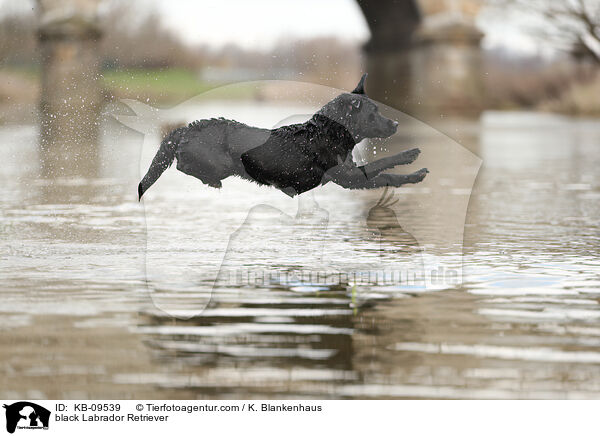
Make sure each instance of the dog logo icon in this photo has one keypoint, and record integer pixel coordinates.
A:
(26, 415)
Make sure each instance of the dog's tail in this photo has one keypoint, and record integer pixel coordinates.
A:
(163, 160)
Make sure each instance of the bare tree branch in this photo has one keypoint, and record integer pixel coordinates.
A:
(563, 23)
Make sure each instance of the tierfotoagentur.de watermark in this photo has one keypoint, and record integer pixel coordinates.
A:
(244, 235)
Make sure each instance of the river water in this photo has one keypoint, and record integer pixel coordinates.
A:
(106, 297)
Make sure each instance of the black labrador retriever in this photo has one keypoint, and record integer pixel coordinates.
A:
(294, 158)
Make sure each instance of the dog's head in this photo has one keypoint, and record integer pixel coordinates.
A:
(359, 114)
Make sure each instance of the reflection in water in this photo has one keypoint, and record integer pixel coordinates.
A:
(82, 263)
(65, 171)
(384, 223)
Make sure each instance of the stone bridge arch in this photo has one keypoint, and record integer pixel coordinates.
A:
(424, 56)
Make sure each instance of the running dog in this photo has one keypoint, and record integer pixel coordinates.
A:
(294, 158)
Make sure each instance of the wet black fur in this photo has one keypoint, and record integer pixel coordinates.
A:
(294, 158)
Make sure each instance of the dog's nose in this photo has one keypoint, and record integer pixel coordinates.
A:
(395, 123)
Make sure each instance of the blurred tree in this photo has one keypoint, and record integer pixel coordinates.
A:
(17, 39)
(570, 25)
(135, 38)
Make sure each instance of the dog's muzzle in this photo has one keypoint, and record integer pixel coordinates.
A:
(385, 128)
(393, 126)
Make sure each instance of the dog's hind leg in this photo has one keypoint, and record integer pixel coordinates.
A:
(204, 170)
(374, 168)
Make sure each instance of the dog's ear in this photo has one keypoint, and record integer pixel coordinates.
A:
(354, 104)
(360, 88)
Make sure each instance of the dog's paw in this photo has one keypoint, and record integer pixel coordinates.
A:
(212, 183)
(418, 176)
(409, 156)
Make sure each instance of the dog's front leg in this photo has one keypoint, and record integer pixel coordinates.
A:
(353, 181)
(347, 175)
(374, 168)
(397, 180)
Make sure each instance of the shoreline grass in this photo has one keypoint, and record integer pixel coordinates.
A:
(165, 86)
(168, 85)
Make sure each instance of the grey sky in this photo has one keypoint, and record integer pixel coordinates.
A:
(262, 23)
